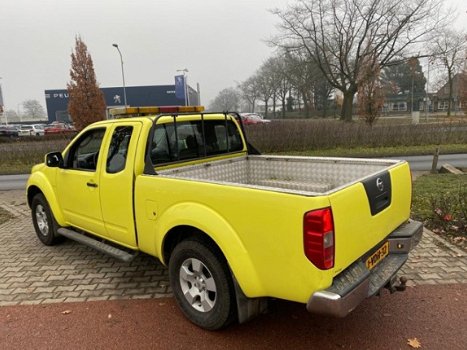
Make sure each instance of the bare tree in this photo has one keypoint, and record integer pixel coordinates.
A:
(306, 78)
(340, 36)
(298, 72)
(86, 101)
(250, 91)
(283, 82)
(227, 100)
(449, 49)
(33, 109)
(266, 83)
(278, 77)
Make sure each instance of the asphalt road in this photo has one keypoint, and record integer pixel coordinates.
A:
(435, 315)
(424, 163)
(13, 182)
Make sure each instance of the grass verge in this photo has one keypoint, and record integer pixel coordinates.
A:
(360, 152)
(440, 202)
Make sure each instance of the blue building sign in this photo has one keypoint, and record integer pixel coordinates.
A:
(155, 95)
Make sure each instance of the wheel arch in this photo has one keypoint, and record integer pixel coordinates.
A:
(205, 224)
(39, 184)
(181, 233)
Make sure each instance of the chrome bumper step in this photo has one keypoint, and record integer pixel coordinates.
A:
(103, 247)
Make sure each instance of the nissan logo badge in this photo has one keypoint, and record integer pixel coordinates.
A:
(380, 184)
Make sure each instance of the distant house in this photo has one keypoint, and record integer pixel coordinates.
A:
(440, 101)
(402, 102)
(436, 102)
(395, 103)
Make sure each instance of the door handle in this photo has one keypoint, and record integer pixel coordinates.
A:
(91, 184)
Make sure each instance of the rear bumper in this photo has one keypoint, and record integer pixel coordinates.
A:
(357, 283)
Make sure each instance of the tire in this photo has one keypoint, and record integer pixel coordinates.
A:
(44, 223)
(202, 284)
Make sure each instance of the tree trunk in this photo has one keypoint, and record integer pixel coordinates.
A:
(347, 106)
(283, 107)
(274, 101)
(299, 101)
(450, 82)
(325, 109)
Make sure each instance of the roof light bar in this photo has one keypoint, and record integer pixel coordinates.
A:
(123, 112)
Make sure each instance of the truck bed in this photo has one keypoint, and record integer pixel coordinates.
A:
(309, 176)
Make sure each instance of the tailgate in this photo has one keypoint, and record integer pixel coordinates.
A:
(366, 212)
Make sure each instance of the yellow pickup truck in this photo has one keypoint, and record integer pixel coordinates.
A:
(233, 226)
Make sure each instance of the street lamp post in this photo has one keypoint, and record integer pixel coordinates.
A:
(123, 74)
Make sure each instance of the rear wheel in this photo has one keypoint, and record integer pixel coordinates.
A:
(202, 285)
(44, 222)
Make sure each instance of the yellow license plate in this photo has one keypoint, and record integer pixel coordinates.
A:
(377, 256)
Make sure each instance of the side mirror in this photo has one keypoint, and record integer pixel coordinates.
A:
(54, 160)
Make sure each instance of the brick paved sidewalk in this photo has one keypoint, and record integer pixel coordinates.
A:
(31, 273)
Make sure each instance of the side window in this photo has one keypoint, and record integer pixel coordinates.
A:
(85, 152)
(219, 141)
(163, 148)
(118, 149)
(235, 140)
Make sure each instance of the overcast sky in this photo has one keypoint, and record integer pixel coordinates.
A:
(220, 42)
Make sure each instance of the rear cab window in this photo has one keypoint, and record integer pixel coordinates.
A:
(190, 140)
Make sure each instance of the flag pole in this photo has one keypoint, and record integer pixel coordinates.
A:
(185, 89)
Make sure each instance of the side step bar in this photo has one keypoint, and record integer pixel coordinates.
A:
(97, 245)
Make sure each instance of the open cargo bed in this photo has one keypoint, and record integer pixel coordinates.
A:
(302, 175)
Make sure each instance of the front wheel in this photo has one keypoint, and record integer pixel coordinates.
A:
(44, 222)
(202, 285)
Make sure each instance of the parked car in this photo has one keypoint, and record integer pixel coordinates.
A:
(31, 130)
(59, 128)
(8, 131)
(253, 118)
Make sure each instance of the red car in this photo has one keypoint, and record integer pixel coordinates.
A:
(253, 118)
(58, 128)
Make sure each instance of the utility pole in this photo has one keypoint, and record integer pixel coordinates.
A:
(426, 91)
(199, 94)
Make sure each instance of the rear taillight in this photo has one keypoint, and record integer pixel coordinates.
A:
(318, 238)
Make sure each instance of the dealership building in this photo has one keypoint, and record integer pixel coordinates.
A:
(155, 95)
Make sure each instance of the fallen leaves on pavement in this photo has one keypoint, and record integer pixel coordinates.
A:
(414, 343)
(66, 312)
